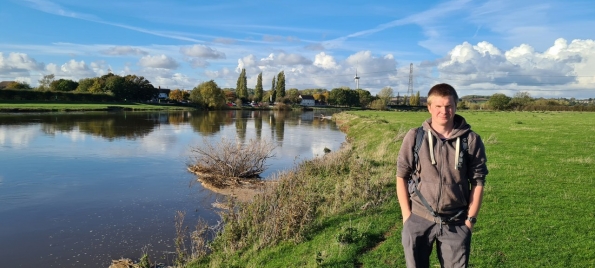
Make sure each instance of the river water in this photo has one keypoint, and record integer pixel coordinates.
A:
(81, 189)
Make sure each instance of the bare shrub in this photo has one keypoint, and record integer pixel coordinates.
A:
(229, 161)
(331, 184)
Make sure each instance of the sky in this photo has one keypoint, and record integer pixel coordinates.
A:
(545, 48)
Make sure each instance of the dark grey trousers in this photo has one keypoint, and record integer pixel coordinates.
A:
(453, 243)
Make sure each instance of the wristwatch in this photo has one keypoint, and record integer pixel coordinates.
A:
(472, 219)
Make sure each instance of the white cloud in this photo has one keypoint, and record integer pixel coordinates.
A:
(72, 69)
(561, 68)
(16, 63)
(160, 61)
(123, 50)
(325, 61)
(202, 51)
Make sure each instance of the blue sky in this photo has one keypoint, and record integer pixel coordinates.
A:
(545, 47)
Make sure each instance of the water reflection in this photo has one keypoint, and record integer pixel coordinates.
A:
(134, 125)
(80, 189)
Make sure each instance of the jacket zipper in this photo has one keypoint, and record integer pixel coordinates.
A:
(440, 165)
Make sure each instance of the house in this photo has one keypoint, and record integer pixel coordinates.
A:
(307, 100)
(163, 93)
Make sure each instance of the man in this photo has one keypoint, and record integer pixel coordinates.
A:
(440, 191)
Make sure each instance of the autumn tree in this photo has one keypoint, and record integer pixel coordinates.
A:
(179, 95)
(208, 94)
(386, 94)
(85, 84)
(415, 100)
(16, 85)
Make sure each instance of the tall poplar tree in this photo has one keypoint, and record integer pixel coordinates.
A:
(273, 91)
(258, 89)
(241, 86)
(281, 84)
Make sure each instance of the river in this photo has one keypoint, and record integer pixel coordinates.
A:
(81, 189)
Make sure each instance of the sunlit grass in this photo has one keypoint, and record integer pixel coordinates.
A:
(537, 209)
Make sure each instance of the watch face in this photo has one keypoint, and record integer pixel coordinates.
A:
(472, 219)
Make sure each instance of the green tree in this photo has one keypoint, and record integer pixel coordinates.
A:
(44, 83)
(273, 91)
(241, 86)
(258, 91)
(520, 100)
(65, 85)
(281, 84)
(499, 101)
(365, 97)
(293, 95)
(338, 96)
(208, 94)
(137, 88)
(115, 84)
(85, 84)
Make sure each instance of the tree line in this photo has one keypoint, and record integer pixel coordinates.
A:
(522, 101)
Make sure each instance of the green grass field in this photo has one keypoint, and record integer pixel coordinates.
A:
(538, 209)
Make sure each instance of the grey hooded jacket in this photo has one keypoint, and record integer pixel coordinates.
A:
(443, 185)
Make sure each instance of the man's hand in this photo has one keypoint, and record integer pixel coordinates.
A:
(469, 225)
(406, 215)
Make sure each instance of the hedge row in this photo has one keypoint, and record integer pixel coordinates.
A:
(26, 95)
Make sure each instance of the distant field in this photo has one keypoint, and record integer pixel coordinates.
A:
(538, 208)
(73, 106)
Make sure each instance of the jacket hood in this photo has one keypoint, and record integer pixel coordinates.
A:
(459, 129)
(460, 126)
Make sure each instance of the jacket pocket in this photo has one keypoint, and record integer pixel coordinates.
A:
(454, 197)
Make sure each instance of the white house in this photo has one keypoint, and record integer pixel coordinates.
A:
(307, 100)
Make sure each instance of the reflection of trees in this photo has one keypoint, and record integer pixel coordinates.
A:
(242, 124)
(279, 124)
(130, 126)
(106, 125)
(178, 118)
(208, 122)
(258, 124)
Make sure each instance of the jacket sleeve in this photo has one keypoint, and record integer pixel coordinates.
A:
(405, 157)
(478, 169)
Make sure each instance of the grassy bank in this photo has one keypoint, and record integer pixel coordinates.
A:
(29, 106)
(341, 210)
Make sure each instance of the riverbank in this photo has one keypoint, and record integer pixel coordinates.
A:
(28, 106)
(341, 210)
(41, 107)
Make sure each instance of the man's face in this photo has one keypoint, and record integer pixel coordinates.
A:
(443, 110)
